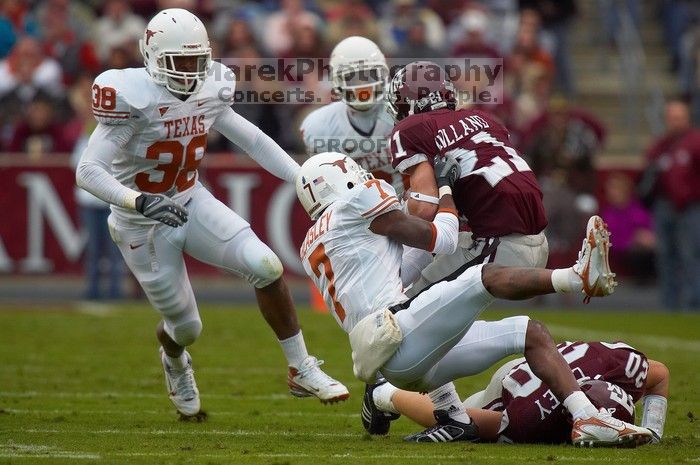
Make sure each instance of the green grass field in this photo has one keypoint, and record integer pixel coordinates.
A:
(80, 386)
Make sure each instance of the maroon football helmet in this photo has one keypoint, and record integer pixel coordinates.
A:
(611, 397)
(419, 87)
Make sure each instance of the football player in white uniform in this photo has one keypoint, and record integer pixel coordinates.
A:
(142, 159)
(356, 125)
(353, 254)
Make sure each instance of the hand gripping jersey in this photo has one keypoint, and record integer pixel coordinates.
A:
(165, 137)
(329, 129)
(497, 192)
(357, 271)
(532, 414)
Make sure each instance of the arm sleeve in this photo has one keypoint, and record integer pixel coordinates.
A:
(94, 168)
(445, 233)
(257, 144)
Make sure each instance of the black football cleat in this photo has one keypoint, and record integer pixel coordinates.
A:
(446, 430)
(374, 420)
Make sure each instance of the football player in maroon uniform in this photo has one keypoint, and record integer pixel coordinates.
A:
(497, 192)
(518, 407)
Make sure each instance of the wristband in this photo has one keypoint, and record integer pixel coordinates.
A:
(444, 190)
(424, 198)
(130, 199)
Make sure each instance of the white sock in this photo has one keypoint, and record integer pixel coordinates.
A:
(565, 280)
(579, 405)
(177, 363)
(294, 349)
(382, 397)
(654, 413)
(445, 398)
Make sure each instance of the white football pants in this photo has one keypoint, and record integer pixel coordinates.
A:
(215, 235)
(512, 250)
(442, 339)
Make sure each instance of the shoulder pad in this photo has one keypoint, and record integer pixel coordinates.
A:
(221, 83)
(119, 94)
(374, 198)
(320, 127)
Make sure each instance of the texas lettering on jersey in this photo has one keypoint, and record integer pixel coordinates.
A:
(164, 138)
(185, 126)
(497, 193)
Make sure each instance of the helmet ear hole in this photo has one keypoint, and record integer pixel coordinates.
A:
(350, 185)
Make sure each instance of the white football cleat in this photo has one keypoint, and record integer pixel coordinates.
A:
(603, 430)
(309, 380)
(592, 265)
(182, 388)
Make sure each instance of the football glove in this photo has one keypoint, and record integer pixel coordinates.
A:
(161, 208)
(447, 171)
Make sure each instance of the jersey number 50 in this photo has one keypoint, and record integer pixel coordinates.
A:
(176, 172)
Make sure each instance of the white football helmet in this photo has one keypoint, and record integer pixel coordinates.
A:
(170, 34)
(359, 72)
(324, 178)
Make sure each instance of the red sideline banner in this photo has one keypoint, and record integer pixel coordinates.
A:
(40, 231)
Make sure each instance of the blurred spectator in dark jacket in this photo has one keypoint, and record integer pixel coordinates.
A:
(631, 229)
(671, 185)
(117, 27)
(39, 132)
(416, 46)
(561, 145)
(102, 257)
(75, 54)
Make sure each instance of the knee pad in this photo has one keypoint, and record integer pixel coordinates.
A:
(264, 266)
(165, 295)
(184, 334)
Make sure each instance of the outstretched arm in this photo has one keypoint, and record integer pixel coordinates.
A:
(654, 402)
(257, 144)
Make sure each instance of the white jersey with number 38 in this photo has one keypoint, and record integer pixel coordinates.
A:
(164, 138)
(357, 271)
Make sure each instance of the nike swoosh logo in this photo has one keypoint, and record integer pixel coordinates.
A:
(134, 247)
(200, 103)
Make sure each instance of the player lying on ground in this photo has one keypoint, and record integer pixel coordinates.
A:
(353, 255)
(142, 159)
(517, 407)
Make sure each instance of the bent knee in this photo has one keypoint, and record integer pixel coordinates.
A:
(266, 269)
(184, 334)
(537, 335)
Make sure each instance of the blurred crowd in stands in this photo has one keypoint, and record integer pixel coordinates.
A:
(51, 50)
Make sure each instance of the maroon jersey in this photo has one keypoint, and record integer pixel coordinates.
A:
(532, 414)
(497, 192)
